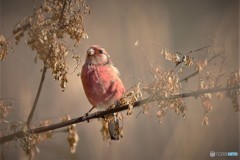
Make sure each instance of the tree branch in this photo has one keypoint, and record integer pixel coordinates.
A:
(118, 108)
(37, 97)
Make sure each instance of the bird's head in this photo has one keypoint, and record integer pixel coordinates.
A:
(97, 55)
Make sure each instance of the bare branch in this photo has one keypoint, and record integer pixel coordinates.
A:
(37, 97)
(197, 71)
(118, 108)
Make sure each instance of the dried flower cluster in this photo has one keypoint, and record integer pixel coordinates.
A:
(4, 110)
(3, 48)
(104, 130)
(8, 126)
(201, 64)
(167, 84)
(51, 22)
(73, 137)
(30, 141)
(130, 97)
(206, 101)
(210, 81)
(164, 85)
(28, 144)
(234, 79)
(169, 55)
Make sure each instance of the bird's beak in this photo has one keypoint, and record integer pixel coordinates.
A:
(90, 51)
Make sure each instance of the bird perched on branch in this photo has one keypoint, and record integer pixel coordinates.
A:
(101, 82)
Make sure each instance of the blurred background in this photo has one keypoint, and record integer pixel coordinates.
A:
(116, 25)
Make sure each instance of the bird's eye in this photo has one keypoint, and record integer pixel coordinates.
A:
(100, 51)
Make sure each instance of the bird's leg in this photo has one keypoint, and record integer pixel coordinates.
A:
(86, 114)
(90, 110)
(118, 104)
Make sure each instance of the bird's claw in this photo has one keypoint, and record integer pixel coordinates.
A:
(85, 116)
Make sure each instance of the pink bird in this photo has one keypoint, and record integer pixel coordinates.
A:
(101, 82)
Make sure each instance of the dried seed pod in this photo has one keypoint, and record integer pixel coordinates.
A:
(47, 28)
(3, 48)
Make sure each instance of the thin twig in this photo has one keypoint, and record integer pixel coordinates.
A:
(192, 51)
(62, 11)
(197, 50)
(100, 114)
(37, 97)
(197, 71)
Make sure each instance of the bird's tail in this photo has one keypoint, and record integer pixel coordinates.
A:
(114, 128)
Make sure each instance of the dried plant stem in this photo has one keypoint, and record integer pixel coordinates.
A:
(62, 12)
(197, 71)
(100, 114)
(30, 116)
(20, 31)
